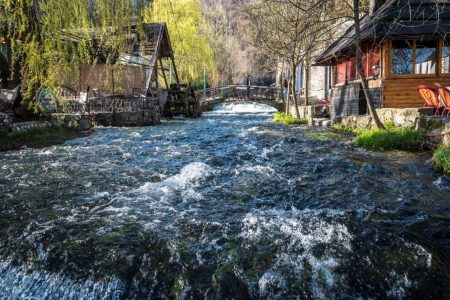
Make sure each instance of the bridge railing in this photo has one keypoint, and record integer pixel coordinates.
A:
(238, 92)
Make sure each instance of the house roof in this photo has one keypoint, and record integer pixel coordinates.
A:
(395, 19)
(152, 32)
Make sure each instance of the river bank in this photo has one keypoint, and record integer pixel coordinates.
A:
(37, 137)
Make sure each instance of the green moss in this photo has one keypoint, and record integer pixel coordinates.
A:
(177, 287)
(323, 136)
(389, 139)
(37, 137)
(72, 245)
(287, 119)
(441, 159)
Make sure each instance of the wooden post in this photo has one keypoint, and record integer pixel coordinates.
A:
(112, 78)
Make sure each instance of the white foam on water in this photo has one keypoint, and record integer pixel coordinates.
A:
(189, 176)
(242, 108)
(135, 135)
(296, 234)
(17, 283)
(257, 169)
(442, 183)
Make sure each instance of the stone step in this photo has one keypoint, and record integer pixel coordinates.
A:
(322, 122)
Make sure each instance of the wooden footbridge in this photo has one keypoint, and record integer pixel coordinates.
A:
(268, 95)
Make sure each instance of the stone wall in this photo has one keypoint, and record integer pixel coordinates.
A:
(400, 117)
(25, 126)
(437, 129)
(317, 85)
(119, 110)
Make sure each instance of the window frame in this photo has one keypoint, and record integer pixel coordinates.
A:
(440, 50)
(437, 73)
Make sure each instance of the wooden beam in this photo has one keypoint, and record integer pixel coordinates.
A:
(163, 73)
(175, 69)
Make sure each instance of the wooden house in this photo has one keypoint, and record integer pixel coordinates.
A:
(405, 43)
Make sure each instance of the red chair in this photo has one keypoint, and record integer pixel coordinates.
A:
(445, 97)
(431, 96)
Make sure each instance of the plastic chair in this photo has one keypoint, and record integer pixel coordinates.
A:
(445, 97)
(431, 96)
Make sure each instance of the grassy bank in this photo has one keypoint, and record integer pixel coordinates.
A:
(441, 159)
(37, 137)
(391, 138)
(281, 117)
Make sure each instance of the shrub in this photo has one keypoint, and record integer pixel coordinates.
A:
(281, 117)
(389, 139)
(441, 159)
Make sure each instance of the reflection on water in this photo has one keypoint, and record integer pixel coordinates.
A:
(229, 205)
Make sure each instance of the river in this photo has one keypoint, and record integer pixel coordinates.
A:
(229, 205)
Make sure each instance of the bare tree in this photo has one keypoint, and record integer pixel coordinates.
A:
(359, 64)
(288, 30)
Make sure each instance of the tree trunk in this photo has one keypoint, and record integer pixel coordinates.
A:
(294, 79)
(360, 69)
(306, 91)
(287, 98)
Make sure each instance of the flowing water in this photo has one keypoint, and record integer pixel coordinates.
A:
(226, 206)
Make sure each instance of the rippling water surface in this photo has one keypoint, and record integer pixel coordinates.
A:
(228, 205)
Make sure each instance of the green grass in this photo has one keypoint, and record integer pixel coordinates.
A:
(441, 159)
(341, 128)
(281, 117)
(392, 138)
(36, 137)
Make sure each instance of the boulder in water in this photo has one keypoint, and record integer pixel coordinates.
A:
(84, 124)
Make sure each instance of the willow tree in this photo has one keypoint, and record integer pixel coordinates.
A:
(52, 36)
(184, 20)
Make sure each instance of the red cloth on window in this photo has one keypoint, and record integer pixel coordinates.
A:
(341, 72)
(351, 69)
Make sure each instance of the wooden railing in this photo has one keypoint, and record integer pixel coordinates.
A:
(238, 93)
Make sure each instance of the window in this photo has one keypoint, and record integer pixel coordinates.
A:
(446, 57)
(402, 57)
(370, 59)
(426, 57)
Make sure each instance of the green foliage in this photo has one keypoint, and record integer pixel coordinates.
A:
(36, 137)
(281, 117)
(192, 50)
(389, 139)
(441, 159)
(341, 128)
(48, 37)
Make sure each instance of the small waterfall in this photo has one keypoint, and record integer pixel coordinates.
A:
(242, 108)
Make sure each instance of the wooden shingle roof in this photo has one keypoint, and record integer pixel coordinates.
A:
(395, 19)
